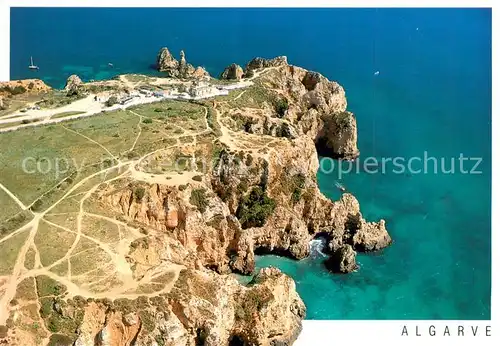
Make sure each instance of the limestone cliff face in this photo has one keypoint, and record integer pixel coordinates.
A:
(342, 260)
(212, 238)
(263, 200)
(288, 175)
(224, 236)
(233, 71)
(338, 136)
(13, 89)
(202, 308)
(314, 105)
(260, 63)
(165, 62)
(73, 84)
(16, 87)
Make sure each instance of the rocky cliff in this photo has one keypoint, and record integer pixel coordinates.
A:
(250, 202)
(233, 71)
(301, 102)
(17, 87)
(255, 191)
(261, 63)
(260, 195)
(317, 108)
(202, 309)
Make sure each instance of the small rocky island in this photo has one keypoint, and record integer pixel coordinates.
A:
(247, 185)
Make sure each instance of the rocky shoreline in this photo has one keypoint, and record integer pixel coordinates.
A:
(258, 194)
(265, 202)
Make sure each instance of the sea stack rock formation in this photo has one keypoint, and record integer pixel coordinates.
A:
(233, 71)
(343, 260)
(165, 62)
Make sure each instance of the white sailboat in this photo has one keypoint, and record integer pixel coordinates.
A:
(33, 66)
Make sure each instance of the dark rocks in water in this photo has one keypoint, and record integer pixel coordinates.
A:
(343, 260)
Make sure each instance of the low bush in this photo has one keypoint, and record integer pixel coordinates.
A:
(255, 208)
(139, 193)
(281, 106)
(298, 184)
(199, 199)
(111, 101)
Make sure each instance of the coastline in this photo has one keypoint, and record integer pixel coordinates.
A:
(235, 209)
(409, 107)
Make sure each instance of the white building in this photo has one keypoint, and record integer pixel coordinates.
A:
(203, 89)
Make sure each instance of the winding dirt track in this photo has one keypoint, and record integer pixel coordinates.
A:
(117, 264)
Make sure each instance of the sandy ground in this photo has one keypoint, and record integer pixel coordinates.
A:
(118, 260)
(91, 107)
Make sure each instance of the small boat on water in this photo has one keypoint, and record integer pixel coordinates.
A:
(376, 73)
(32, 66)
(340, 186)
(111, 65)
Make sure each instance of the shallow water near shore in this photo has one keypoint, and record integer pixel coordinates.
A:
(433, 94)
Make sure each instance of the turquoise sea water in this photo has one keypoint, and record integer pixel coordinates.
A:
(433, 94)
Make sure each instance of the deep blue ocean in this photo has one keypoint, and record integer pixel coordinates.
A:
(433, 94)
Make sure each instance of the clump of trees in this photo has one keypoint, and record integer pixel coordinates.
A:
(255, 208)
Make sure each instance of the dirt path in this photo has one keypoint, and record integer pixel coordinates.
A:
(241, 94)
(117, 251)
(118, 261)
(11, 195)
(140, 130)
(11, 286)
(95, 142)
